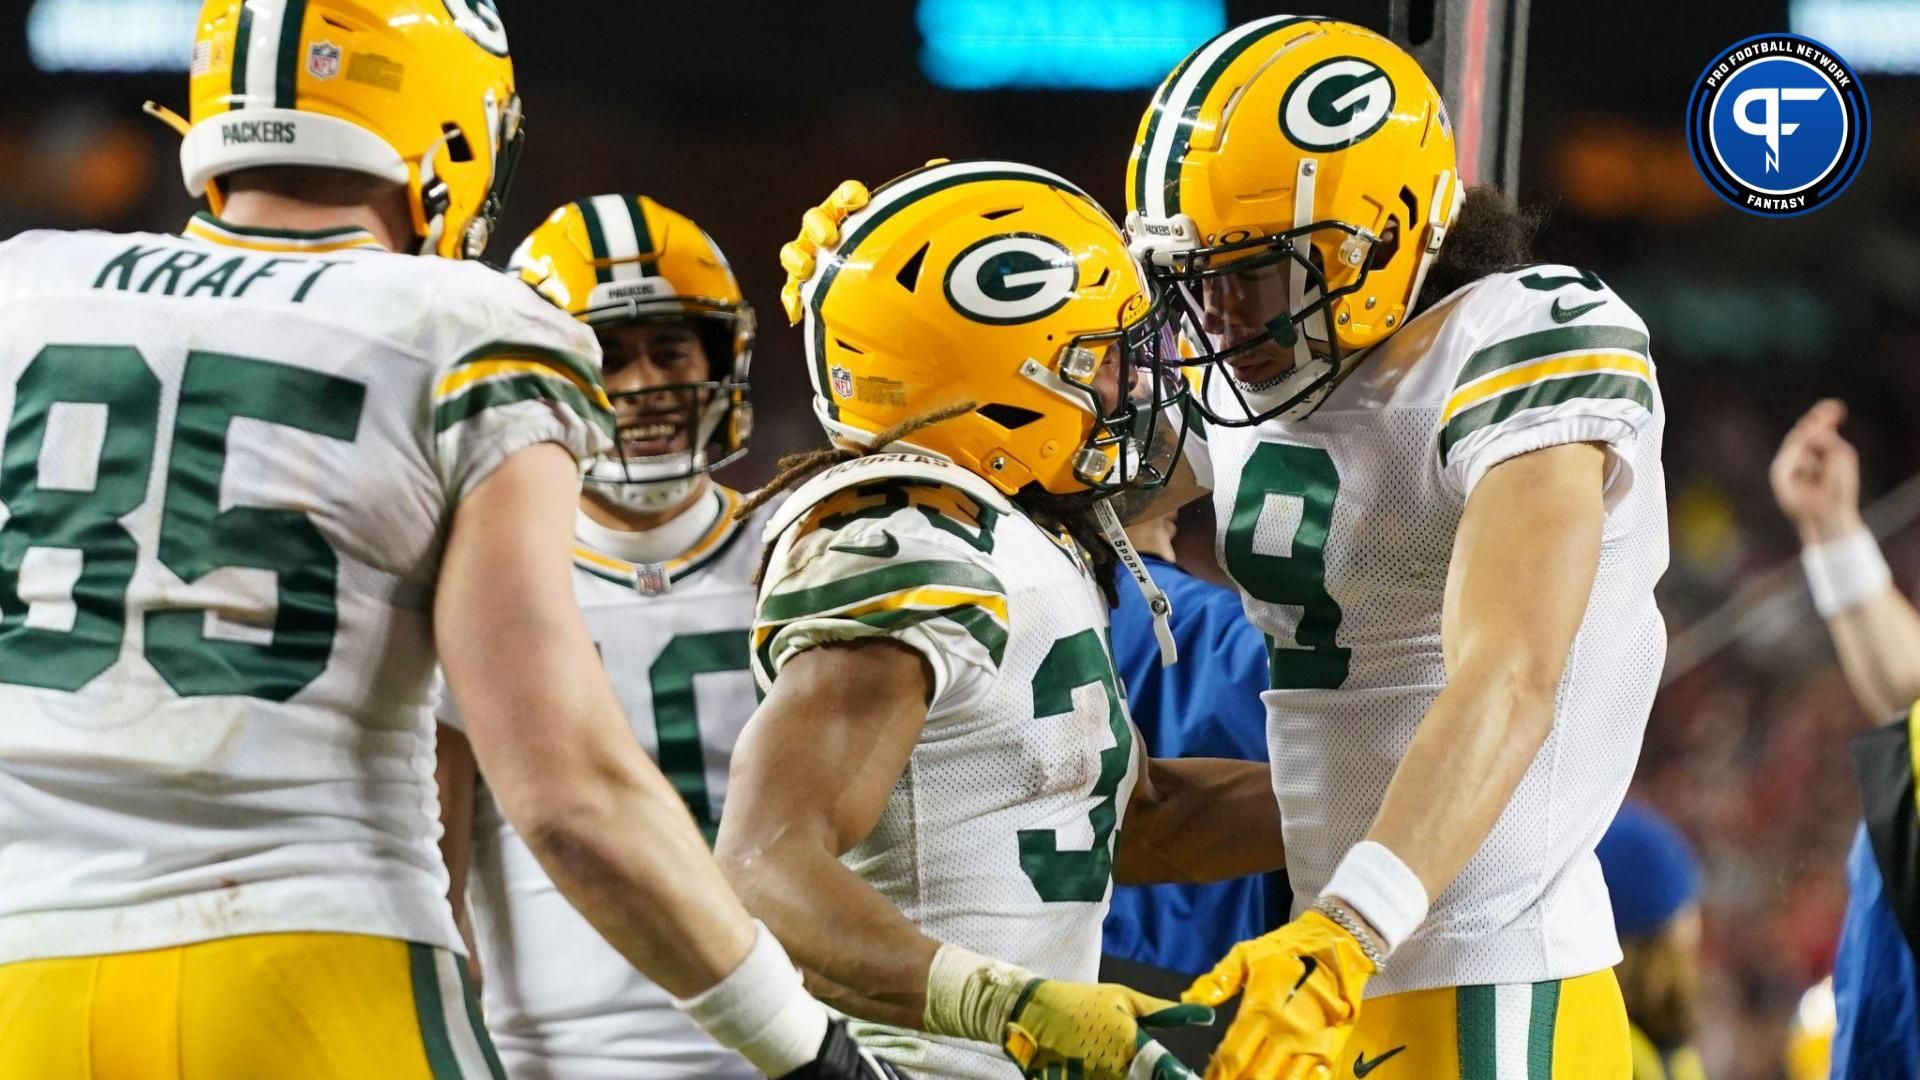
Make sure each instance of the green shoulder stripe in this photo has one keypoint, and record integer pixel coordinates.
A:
(574, 365)
(821, 599)
(1541, 395)
(1544, 343)
(976, 621)
(494, 393)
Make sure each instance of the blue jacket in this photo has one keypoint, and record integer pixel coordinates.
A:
(1877, 1034)
(1207, 705)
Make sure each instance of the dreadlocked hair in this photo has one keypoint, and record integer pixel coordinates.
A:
(1490, 235)
(1072, 514)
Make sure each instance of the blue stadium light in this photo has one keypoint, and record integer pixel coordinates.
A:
(1875, 36)
(1061, 44)
(111, 35)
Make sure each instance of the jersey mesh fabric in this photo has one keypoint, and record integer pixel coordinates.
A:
(560, 1002)
(147, 807)
(1530, 905)
(947, 848)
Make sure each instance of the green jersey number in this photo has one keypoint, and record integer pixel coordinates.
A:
(1079, 875)
(676, 719)
(74, 521)
(1298, 483)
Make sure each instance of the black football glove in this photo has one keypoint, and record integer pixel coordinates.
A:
(841, 1058)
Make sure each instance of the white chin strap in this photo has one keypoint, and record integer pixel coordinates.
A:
(648, 496)
(1150, 591)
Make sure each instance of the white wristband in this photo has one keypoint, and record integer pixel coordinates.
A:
(763, 1010)
(1843, 574)
(1380, 889)
(970, 996)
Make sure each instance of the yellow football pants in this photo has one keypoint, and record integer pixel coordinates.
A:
(268, 1007)
(1572, 1029)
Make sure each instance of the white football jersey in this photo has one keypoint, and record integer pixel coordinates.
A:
(561, 1004)
(230, 462)
(1339, 529)
(999, 835)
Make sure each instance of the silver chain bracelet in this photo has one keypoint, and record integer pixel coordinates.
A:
(1346, 920)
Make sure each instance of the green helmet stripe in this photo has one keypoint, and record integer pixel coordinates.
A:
(242, 43)
(597, 239)
(287, 69)
(1153, 126)
(1183, 103)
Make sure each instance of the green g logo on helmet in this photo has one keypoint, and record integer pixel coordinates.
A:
(1336, 103)
(1010, 279)
(480, 19)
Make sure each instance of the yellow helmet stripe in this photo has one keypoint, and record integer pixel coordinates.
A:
(889, 200)
(1166, 144)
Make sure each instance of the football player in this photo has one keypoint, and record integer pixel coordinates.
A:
(257, 479)
(1437, 475)
(926, 805)
(666, 583)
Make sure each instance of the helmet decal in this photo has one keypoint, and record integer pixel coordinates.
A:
(481, 21)
(1336, 103)
(1014, 278)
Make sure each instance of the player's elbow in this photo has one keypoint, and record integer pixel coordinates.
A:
(1520, 693)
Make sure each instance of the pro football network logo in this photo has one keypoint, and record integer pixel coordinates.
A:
(1778, 125)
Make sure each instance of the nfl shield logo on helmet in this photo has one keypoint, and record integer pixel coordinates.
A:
(323, 60)
(842, 381)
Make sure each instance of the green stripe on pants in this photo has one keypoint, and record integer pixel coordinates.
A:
(1478, 1047)
(497, 1071)
(1546, 1007)
(432, 1016)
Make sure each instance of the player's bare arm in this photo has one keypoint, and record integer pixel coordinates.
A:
(810, 777)
(1197, 820)
(1523, 567)
(1876, 631)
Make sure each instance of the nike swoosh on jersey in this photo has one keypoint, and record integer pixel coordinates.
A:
(1564, 315)
(1361, 1066)
(887, 548)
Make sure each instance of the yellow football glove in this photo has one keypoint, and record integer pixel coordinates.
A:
(1095, 1030)
(1053, 1029)
(819, 230)
(1303, 985)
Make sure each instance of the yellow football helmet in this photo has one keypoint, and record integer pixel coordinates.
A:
(1003, 285)
(613, 260)
(1315, 150)
(419, 92)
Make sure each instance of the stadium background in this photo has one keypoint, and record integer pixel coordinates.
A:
(741, 113)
